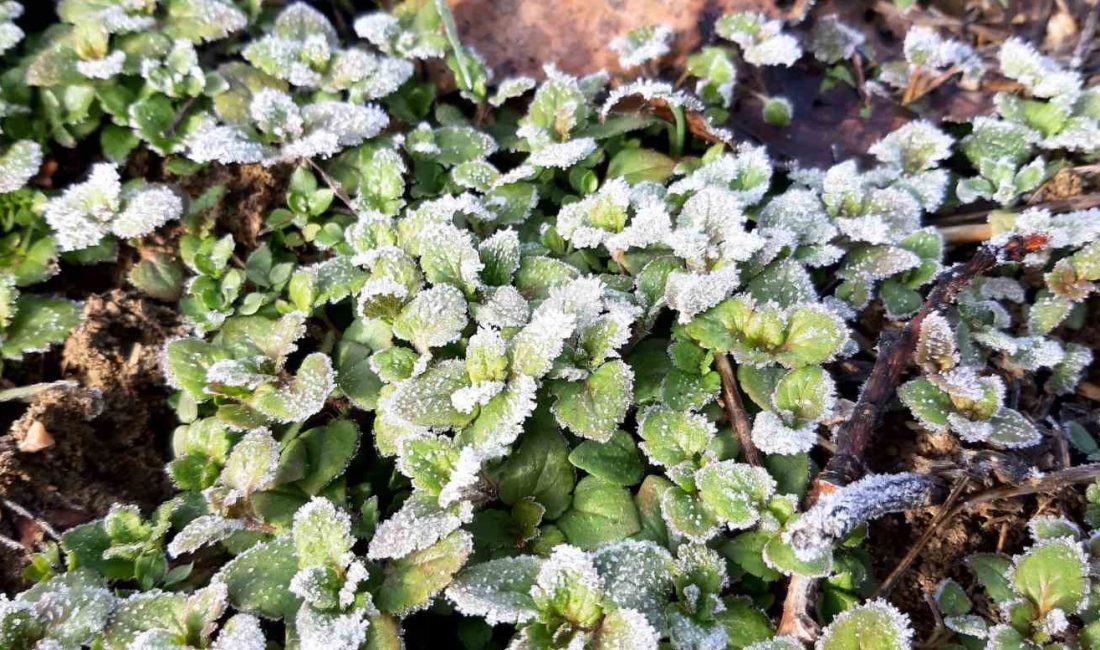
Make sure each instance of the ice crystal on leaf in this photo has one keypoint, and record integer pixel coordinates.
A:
(324, 631)
(212, 142)
(642, 45)
(89, 211)
(915, 147)
(762, 41)
(10, 33)
(497, 590)
(417, 525)
(876, 622)
(102, 68)
(832, 41)
(1040, 75)
(19, 164)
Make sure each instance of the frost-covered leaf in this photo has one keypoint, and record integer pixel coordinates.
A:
(322, 534)
(876, 625)
(929, 404)
(19, 164)
(569, 587)
(252, 463)
(602, 512)
(258, 578)
(672, 437)
(433, 318)
(202, 531)
(415, 579)
(38, 323)
(419, 523)
(637, 575)
(1053, 574)
(642, 44)
(626, 629)
(736, 492)
(498, 590)
(594, 407)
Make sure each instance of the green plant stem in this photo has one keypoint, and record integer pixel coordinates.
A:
(677, 132)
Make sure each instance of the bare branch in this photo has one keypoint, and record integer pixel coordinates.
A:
(735, 410)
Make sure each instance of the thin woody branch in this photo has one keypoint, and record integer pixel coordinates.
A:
(895, 349)
(735, 410)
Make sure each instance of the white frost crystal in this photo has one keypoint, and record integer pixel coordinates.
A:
(839, 512)
(87, 212)
(19, 164)
(832, 41)
(642, 45)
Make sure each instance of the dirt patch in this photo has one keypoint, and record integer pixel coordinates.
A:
(252, 192)
(996, 527)
(109, 434)
(517, 37)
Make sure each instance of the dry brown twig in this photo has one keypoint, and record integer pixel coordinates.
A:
(895, 348)
(735, 410)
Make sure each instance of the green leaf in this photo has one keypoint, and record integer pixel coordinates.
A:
(329, 450)
(745, 623)
(951, 598)
(1053, 574)
(638, 165)
(593, 408)
(539, 468)
(140, 612)
(602, 512)
(780, 556)
(615, 461)
(735, 492)
(498, 590)
(791, 472)
(415, 579)
(813, 337)
(673, 437)
(648, 502)
(686, 514)
(993, 571)
(929, 404)
(806, 393)
(39, 322)
(160, 277)
(87, 543)
(874, 626)
(257, 579)
(747, 551)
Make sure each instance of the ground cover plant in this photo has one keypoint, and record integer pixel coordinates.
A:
(410, 355)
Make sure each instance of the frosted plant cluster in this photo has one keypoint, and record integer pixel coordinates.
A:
(559, 355)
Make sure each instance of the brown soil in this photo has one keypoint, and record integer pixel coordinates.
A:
(109, 433)
(997, 527)
(253, 191)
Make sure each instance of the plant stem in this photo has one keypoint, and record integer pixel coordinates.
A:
(332, 183)
(895, 349)
(677, 134)
(735, 410)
